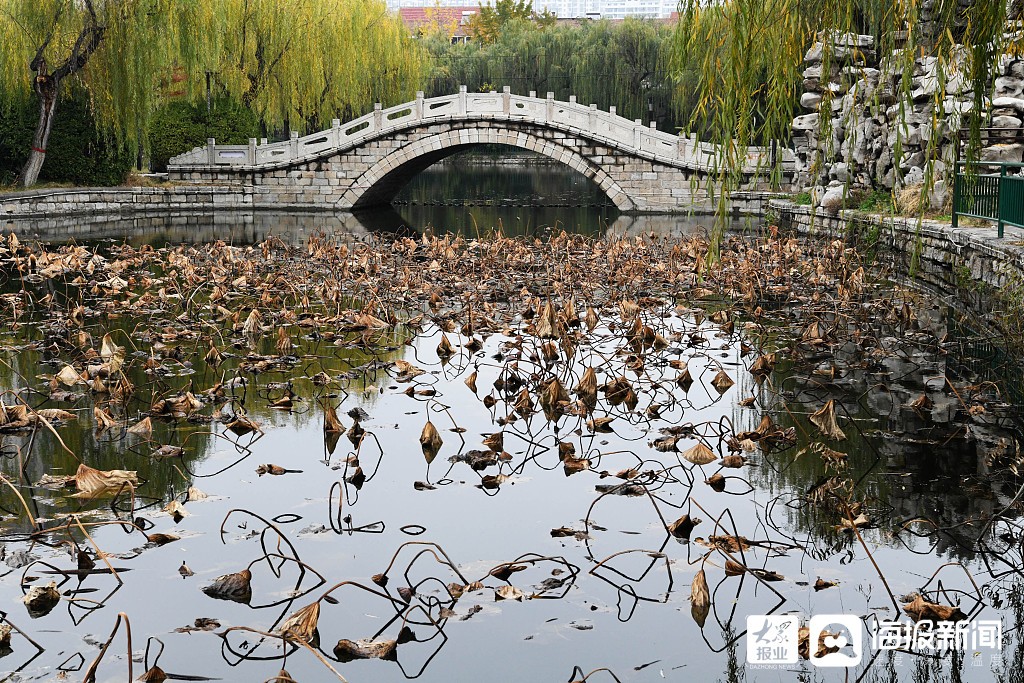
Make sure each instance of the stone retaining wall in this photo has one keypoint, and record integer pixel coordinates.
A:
(80, 201)
(960, 263)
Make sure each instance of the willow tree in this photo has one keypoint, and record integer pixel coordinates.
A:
(622, 64)
(750, 54)
(289, 60)
(113, 48)
(307, 61)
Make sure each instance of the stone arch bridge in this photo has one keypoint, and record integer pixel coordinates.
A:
(366, 162)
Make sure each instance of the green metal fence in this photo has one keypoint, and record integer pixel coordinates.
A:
(995, 195)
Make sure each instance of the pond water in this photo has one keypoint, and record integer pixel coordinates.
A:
(835, 392)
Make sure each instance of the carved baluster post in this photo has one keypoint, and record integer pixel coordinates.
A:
(638, 131)
(294, 144)
(549, 111)
(506, 99)
(419, 104)
(336, 130)
(592, 118)
(211, 151)
(378, 116)
(252, 151)
(463, 100)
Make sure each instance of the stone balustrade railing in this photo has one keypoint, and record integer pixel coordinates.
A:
(603, 126)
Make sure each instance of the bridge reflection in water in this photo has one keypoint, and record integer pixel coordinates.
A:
(293, 227)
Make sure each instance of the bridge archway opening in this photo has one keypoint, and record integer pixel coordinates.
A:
(381, 184)
(502, 175)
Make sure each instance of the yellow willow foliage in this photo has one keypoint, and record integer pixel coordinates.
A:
(749, 54)
(138, 39)
(313, 60)
(290, 60)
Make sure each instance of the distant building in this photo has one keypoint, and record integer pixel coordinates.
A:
(451, 21)
(570, 9)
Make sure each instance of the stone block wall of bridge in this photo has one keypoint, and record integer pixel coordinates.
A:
(367, 162)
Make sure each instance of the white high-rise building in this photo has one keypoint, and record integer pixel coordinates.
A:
(571, 9)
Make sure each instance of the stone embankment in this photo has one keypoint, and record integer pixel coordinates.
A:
(105, 200)
(954, 261)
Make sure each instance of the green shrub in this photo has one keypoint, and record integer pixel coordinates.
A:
(77, 152)
(181, 126)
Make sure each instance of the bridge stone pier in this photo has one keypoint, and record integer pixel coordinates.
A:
(366, 162)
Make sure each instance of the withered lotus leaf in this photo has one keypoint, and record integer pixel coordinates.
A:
(734, 568)
(445, 349)
(825, 420)
(243, 425)
(236, 587)
(153, 675)
(69, 376)
(5, 635)
(347, 650)
(41, 599)
(194, 494)
(920, 609)
(282, 677)
(600, 424)
(272, 469)
(56, 414)
(509, 592)
(552, 397)
(471, 381)
(162, 539)
(332, 423)
(700, 599)
(495, 442)
(586, 388)
(574, 465)
(176, 510)
(733, 461)
(547, 324)
(213, 357)
(104, 420)
(253, 323)
(699, 454)
(504, 571)
(92, 482)
(430, 441)
(143, 428)
(682, 527)
(722, 382)
(302, 624)
(763, 366)
(716, 482)
(112, 354)
(524, 403)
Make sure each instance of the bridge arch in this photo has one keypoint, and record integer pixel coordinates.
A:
(382, 181)
(366, 161)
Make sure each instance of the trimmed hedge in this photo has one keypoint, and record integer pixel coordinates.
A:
(77, 152)
(181, 126)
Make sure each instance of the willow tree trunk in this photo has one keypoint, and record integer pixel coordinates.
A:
(46, 88)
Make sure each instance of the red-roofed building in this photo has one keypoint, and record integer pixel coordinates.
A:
(450, 21)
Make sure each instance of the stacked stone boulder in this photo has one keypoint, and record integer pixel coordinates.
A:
(863, 130)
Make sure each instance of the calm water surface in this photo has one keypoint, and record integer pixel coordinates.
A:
(616, 597)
